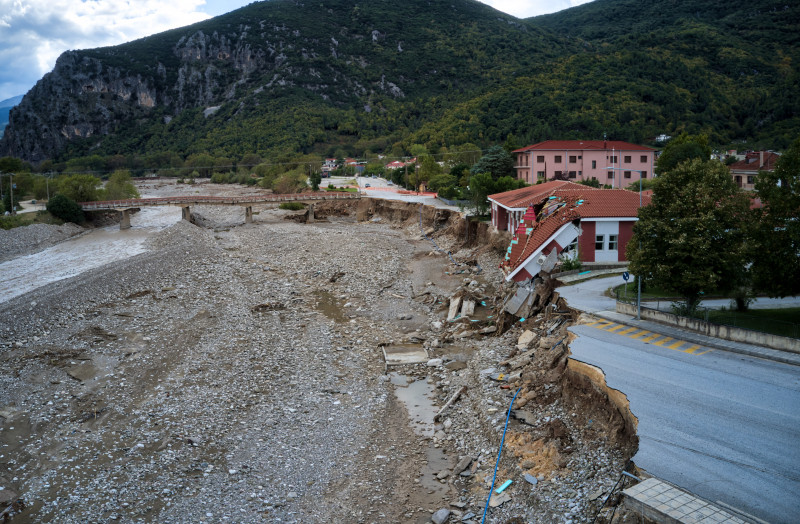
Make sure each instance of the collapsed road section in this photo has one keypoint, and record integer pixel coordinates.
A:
(237, 372)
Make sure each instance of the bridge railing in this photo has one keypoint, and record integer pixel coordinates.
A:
(177, 200)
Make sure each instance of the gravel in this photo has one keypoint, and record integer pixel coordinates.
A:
(236, 374)
(26, 240)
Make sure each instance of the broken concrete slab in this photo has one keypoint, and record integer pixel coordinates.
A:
(468, 308)
(524, 416)
(455, 304)
(499, 500)
(525, 339)
(398, 355)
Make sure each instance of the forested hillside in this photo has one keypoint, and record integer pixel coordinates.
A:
(284, 77)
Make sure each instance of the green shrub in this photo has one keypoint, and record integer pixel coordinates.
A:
(292, 206)
(11, 221)
(65, 208)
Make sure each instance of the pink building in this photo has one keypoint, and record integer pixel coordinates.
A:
(577, 160)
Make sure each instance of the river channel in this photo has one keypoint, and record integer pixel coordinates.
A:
(82, 253)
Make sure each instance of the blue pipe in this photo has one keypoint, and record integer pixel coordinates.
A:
(499, 452)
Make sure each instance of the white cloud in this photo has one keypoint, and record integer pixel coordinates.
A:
(33, 33)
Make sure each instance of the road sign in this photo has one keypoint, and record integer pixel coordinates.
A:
(626, 276)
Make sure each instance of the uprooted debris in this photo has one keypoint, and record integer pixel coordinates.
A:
(569, 435)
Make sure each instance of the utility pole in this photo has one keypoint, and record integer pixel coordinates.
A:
(11, 188)
(638, 277)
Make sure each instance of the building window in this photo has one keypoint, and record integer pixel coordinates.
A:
(572, 174)
(612, 242)
(580, 157)
(572, 248)
(594, 164)
(643, 159)
(580, 174)
(751, 179)
(599, 242)
(627, 174)
(626, 159)
(558, 159)
(573, 159)
(540, 174)
(540, 158)
(612, 158)
(644, 174)
(611, 175)
(558, 174)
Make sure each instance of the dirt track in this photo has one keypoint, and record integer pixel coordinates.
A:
(237, 375)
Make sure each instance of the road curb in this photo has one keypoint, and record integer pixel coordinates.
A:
(714, 343)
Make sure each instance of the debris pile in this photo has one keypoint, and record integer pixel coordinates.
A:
(567, 439)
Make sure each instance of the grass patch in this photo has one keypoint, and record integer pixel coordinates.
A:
(26, 219)
(650, 293)
(784, 322)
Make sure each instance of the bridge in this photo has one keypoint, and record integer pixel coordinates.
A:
(185, 202)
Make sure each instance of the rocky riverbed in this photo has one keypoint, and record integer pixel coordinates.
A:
(235, 373)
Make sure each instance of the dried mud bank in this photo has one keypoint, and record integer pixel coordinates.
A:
(237, 374)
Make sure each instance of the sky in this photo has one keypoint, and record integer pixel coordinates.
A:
(33, 33)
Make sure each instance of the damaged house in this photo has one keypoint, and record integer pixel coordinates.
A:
(564, 219)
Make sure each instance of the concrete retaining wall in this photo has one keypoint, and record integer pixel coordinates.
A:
(714, 330)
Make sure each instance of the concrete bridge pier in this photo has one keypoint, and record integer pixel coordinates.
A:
(186, 213)
(248, 215)
(125, 223)
(310, 216)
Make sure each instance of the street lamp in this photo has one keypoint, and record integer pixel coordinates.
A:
(638, 277)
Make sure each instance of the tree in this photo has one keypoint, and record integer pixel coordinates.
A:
(497, 162)
(80, 188)
(682, 148)
(646, 183)
(315, 179)
(120, 187)
(65, 208)
(481, 185)
(690, 239)
(775, 235)
(428, 169)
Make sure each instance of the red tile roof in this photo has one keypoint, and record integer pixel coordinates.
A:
(582, 202)
(582, 145)
(752, 162)
(522, 198)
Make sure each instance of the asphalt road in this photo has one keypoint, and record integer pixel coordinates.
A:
(723, 426)
(588, 296)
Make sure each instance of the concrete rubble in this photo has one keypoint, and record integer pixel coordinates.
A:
(237, 373)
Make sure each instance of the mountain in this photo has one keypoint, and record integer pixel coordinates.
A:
(286, 76)
(5, 108)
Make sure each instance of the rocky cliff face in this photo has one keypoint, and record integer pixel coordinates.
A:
(340, 53)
